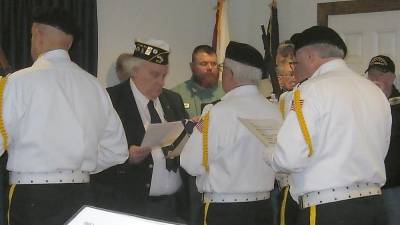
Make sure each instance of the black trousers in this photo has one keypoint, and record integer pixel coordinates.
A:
(357, 211)
(3, 188)
(161, 208)
(288, 208)
(46, 204)
(190, 202)
(119, 197)
(243, 213)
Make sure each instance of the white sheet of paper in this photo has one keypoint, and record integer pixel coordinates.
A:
(266, 130)
(96, 216)
(162, 134)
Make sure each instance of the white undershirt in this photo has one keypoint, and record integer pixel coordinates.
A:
(163, 182)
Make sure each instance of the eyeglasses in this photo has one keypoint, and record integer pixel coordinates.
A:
(293, 64)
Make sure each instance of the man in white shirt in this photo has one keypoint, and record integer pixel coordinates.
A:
(334, 140)
(58, 125)
(225, 157)
(148, 183)
(288, 208)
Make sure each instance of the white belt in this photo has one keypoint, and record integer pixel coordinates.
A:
(65, 176)
(283, 180)
(339, 194)
(235, 197)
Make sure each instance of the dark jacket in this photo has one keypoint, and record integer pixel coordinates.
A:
(135, 179)
(392, 160)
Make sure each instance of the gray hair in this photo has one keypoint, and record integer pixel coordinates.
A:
(244, 73)
(328, 50)
(126, 66)
(285, 49)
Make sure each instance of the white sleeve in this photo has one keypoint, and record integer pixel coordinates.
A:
(113, 146)
(292, 152)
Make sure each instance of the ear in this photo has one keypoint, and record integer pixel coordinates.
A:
(191, 64)
(134, 71)
(70, 41)
(391, 78)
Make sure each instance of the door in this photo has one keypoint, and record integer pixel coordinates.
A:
(367, 35)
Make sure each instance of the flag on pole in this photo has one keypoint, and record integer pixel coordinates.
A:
(221, 30)
(271, 42)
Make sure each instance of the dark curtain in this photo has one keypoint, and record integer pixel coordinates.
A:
(15, 31)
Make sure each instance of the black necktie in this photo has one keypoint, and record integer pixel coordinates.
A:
(155, 118)
(171, 164)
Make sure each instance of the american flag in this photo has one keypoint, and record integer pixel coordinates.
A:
(301, 104)
(199, 125)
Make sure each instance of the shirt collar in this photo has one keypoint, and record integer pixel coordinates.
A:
(139, 97)
(58, 53)
(328, 67)
(240, 91)
(198, 88)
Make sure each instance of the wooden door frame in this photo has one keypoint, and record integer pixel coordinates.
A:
(352, 7)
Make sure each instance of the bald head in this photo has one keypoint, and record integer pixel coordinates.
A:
(47, 38)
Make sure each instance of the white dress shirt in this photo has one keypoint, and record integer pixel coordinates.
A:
(163, 182)
(349, 122)
(235, 155)
(59, 117)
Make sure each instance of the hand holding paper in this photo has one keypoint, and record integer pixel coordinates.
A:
(162, 134)
(137, 154)
(266, 130)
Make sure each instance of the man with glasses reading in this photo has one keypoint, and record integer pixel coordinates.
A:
(226, 158)
(334, 139)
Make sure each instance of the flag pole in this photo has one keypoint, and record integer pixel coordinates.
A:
(271, 42)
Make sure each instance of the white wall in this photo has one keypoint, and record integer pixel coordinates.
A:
(296, 15)
(181, 23)
(185, 24)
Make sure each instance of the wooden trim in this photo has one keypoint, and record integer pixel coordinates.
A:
(352, 7)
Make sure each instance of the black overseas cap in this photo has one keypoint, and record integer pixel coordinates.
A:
(56, 17)
(318, 35)
(245, 54)
(152, 50)
(381, 63)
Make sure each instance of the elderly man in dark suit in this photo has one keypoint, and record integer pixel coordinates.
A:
(145, 184)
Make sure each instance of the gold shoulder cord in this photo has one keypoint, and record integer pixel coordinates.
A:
(313, 215)
(300, 117)
(205, 141)
(282, 107)
(3, 132)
